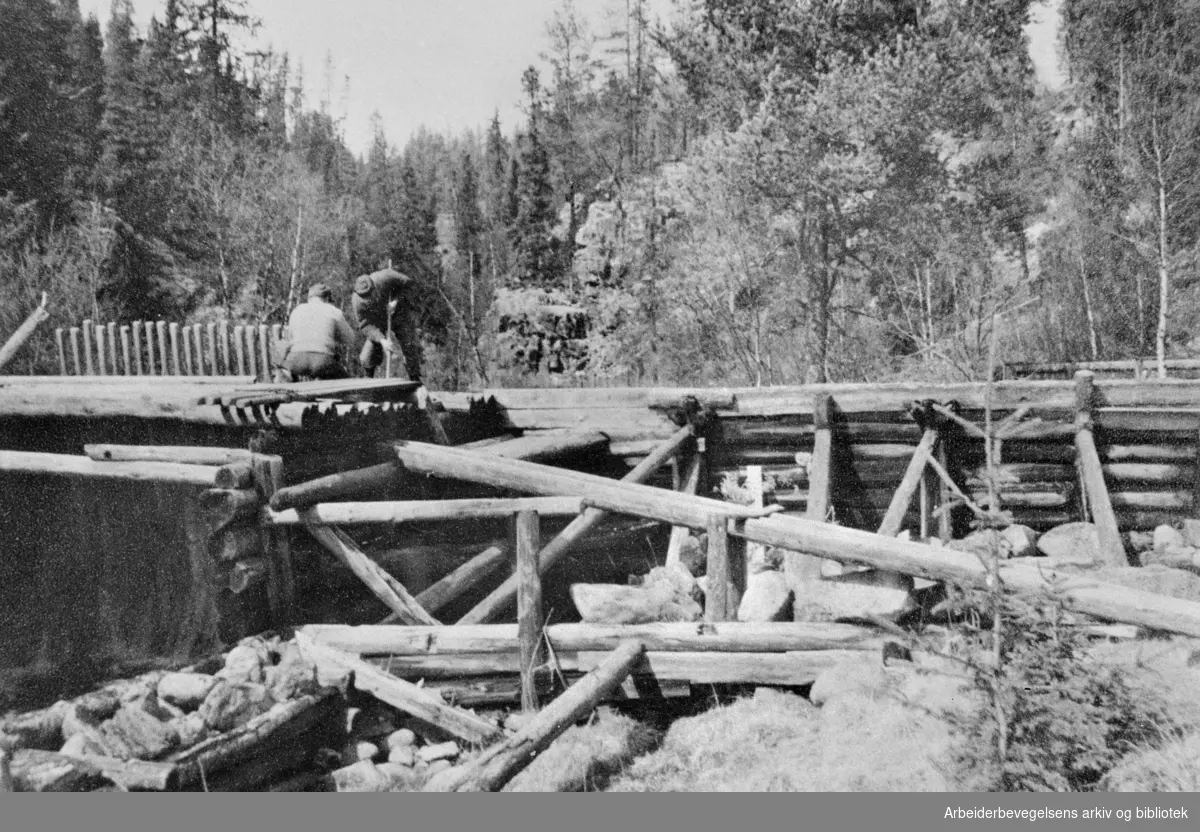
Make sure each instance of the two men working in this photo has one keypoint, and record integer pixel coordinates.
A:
(320, 332)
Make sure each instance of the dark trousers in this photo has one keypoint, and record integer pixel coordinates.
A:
(313, 365)
(372, 355)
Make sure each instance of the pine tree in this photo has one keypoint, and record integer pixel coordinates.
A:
(534, 260)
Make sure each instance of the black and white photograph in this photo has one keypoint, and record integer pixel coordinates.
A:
(603, 396)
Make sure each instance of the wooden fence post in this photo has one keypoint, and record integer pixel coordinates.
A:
(88, 346)
(75, 350)
(530, 615)
(268, 476)
(1092, 474)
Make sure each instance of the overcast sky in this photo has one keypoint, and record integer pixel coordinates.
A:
(445, 64)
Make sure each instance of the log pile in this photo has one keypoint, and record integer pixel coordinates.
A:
(260, 716)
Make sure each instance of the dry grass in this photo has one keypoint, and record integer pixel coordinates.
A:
(1172, 767)
(862, 740)
(586, 757)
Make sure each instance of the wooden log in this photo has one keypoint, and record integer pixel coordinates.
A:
(386, 588)
(539, 447)
(250, 333)
(23, 333)
(680, 534)
(697, 637)
(89, 344)
(136, 333)
(903, 498)
(185, 338)
(101, 361)
(182, 454)
(718, 605)
(500, 599)
(28, 462)
(197, 338)
(152, 366)
(114, 364)
(530, 616)
(176, 368)
(239, 348)
(358, 514)
(334, 665)
(503, 761)
(134, 775)
(1095, 598)
(227, 365)
(223, 506)
(266, 474)
(238, 474)
(213, 366)
(279, 739)
(622, 497)
(234, 543)
(1112, 549)
(164, 357)
(46, 771)
(60, 341)
(346, 485)
(74, 335)
(126, 351)
(264, 352)
(791, 669)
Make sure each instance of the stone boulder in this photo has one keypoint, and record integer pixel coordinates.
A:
(293, 677)
(1071, 544)
(247, 662)
(851, 595)
(231, 704)
(1191, 532)
(135, 734)
(983, 543)
(1022, 540)
(363, 776)
(186, 690)
(666, 594)
(1167, 537)
(767, 598)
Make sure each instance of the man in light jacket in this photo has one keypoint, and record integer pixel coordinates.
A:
(319, 333)
(385, 315)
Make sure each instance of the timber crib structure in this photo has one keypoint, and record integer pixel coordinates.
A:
(414, 535)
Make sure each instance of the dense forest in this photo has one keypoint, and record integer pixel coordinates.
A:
(746, 192)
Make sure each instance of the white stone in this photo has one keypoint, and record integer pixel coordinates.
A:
(1021, 539)
(186, 690)
(441, 751)
(854, 595)
(767, 598)
(401, 738)
(1071, 544)
(1166, 536)
(363, 776)
(404, 755)
(366, 750)
(616, 604)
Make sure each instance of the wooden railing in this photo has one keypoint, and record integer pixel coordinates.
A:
(1135, 368)
(158, 348)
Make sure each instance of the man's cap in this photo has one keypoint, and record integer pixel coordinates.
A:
(363, 285)
(320, 290)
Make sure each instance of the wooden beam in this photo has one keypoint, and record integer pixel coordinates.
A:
(1096, 598)
(530, 615)
(912, 479)
(1112, 549)
(182, 454)
(499, 764)
(621, 497)
(408, 511)
(334, 665)
(499, 600)
(791, 669)
(346, 485)
(718, 605)
(386, 588)
(29, 462)
(691, 481)
(692, 637)
(266, 475)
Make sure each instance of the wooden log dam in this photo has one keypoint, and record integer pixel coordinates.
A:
(406, 534)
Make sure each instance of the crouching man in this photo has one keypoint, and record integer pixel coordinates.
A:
(319, 334)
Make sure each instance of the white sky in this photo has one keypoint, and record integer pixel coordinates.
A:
(445, 64)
